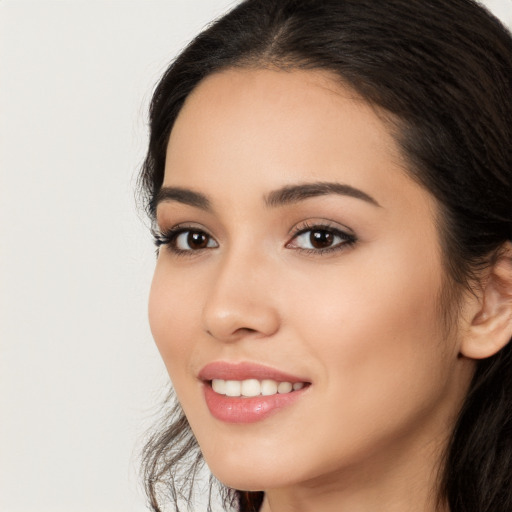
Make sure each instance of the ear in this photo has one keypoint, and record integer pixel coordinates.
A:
(489, 326)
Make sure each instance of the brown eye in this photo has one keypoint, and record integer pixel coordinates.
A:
(321, 239)
(197, 240)
(193, 240)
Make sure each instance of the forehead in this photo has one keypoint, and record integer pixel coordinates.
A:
(261, 129)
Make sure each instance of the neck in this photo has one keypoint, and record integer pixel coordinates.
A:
(391, 485)
(344, 502)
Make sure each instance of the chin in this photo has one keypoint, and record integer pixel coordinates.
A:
(246, 481)
(249, 473)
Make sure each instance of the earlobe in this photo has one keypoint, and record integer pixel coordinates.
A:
(490, 327)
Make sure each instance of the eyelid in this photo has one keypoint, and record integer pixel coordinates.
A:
(167, 237)
(347, 235)
(320, 223)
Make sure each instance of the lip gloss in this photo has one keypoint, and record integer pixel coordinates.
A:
(246, 410)
(241, 409)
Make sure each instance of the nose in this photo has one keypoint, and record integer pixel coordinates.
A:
(240, 301)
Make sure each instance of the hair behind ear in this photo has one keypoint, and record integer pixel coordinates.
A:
(479, 457)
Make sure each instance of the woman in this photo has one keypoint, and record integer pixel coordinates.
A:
(330, 183)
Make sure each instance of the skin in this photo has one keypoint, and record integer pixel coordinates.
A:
(361, 323)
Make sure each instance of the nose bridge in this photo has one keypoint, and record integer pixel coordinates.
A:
(239, 299)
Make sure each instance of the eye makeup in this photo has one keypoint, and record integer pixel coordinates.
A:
(312, 238)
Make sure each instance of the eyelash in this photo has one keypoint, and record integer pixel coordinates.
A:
(348, 239)
(169, 237)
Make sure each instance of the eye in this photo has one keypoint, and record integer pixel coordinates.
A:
(184, 239)
(193, 240)
(321, 239)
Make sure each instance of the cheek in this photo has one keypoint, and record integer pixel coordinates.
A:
(382, 362)
(376, 325)
(172, 316)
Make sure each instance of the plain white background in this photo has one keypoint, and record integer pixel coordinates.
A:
(79, 375)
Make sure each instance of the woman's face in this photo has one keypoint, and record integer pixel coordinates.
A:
(296, 249)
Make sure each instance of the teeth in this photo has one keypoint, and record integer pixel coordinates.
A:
(219, 386)
(233, 388)
(284, 387)
(250, 387)
(253, 387)
(268, 387)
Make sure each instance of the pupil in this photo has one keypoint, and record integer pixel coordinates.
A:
(321, 239)
(197, 240)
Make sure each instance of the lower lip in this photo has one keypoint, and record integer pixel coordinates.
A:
(247, 410)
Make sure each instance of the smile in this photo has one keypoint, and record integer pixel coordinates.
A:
(248, 392)
(254, 387)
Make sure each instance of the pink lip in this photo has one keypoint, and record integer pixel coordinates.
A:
(242, 409)
(242, 371)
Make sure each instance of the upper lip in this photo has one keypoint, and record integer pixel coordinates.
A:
(242, 371)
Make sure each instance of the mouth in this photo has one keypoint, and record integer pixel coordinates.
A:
(253, 387)
(247, 392)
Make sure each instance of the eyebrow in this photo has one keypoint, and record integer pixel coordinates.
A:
(181, 195)
(295, 193)
(289, 194)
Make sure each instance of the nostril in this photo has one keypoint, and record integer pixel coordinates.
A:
(239, 331)
(246, 330)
